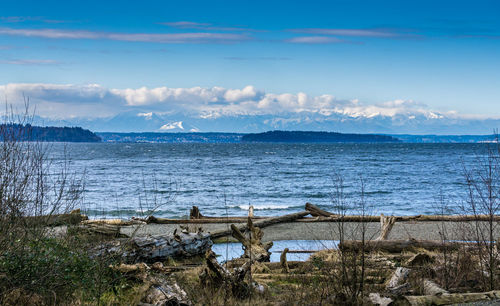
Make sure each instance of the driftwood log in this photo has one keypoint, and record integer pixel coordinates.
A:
(216, 276)
(376, 299)
(204, 220)
(150, 249)
(155, 290)
(261, 223)
(454, 298)
(315, 211)
(252, 245)
(431, 288)
(397, 284)
(397, 246)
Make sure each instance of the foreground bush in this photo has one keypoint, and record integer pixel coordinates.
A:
(53, 270)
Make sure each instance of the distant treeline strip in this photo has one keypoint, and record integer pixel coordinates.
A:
(19, 132)
(315, 137)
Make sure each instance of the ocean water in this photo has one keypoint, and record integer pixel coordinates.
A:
(124, 180)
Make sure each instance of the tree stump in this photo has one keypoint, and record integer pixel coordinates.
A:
(284, 262)
(386, 224)
(253, 246)
(195, 213)
(216, 276)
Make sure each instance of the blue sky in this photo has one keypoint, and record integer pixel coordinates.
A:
(442, 55)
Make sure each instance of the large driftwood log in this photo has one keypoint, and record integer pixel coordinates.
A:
(315, 211)
(204, 220)
(455, 298)
(119, 222)
(397, 246)
(397, 284)
(431, 288)
(158, 247)
(102, 230)
(386, 224)
(261, 223)
(253, 246)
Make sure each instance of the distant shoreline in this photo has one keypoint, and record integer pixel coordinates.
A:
(222, 137)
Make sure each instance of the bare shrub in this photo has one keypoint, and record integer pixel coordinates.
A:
(482, 202)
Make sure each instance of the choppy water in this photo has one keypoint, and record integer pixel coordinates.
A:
(124, 179)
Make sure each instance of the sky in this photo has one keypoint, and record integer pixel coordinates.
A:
(215, 58)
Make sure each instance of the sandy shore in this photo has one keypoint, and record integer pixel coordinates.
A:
(429, 230)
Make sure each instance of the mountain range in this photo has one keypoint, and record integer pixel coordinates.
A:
(137, 121)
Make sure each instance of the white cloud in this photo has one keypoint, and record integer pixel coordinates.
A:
(30, 62)
(93, 100)
(350, 32)
(316, 40)
(247, 93)
(171, 38)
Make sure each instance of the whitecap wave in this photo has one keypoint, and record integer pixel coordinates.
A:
(264, 206)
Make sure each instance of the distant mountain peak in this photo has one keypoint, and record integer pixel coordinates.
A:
(172, 126)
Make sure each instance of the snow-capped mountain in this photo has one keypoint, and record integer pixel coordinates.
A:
(134, 121)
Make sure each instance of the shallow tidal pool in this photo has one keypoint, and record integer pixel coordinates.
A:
(231, 250)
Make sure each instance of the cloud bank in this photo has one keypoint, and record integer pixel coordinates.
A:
(93, 100)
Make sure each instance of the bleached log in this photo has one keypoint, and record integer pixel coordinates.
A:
(431, 288)
(261, 223)
(397, 284)
(119, 222)
(376, 299)
(454, 298)
(386, 224)
(155, 220)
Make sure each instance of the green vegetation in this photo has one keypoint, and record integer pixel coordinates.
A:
(315, 137)
(28, 132)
